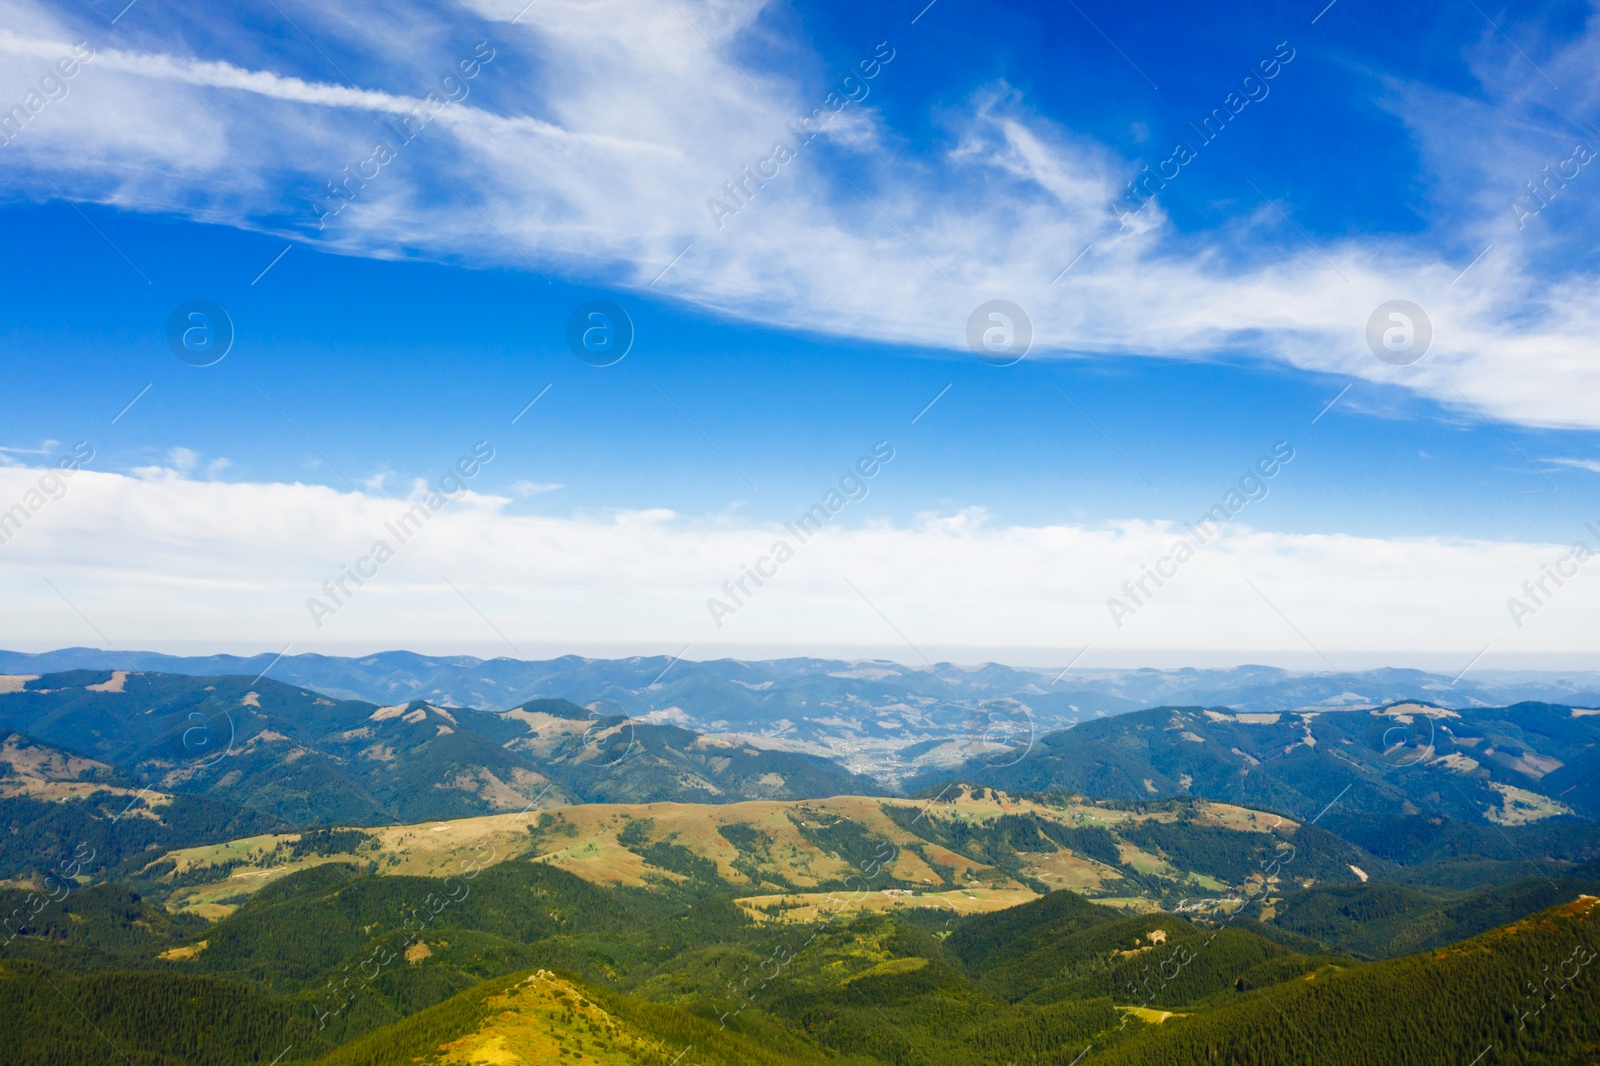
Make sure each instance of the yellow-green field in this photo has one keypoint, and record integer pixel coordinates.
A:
(777, 861)
(811, 906)
(1150, 1014)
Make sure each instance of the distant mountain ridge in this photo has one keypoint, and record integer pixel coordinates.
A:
(880, 718)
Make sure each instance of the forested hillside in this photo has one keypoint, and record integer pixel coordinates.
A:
(305, 759)
(1410, 782)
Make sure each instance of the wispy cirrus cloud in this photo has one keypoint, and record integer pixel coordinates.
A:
(591, 148)
(1591, 465)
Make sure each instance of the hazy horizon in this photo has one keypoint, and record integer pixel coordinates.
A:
(1308, 663)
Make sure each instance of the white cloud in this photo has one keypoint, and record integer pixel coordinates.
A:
(182, 463)
(595, 138)
(192, 559)
(1591, 465)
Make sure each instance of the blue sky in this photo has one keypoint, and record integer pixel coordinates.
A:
(389, 367)
(1379, 161)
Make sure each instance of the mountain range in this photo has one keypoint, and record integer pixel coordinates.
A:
(1408, 781)
(878, 717)
(147, 758)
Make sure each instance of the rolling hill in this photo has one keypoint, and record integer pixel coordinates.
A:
(966, 851)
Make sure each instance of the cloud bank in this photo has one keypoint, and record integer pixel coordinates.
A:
(155, 561)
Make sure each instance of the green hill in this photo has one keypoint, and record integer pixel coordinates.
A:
(1384, 920)
(67, 813)
(98, 928)
(549, 1017)
(1520, 994)
(52, 1018)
